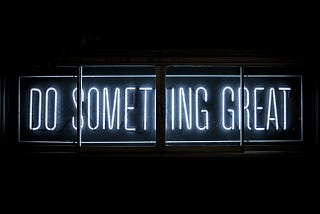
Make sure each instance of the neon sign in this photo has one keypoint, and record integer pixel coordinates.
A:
(115, 109)
(199, 109)
(209, 108)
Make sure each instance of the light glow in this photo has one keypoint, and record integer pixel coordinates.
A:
(206, 126)
(47, 109)
(229, 110)
(89, 108)
(74, 97)
(257, 108)
(30, 110)
(188, 117)
(246, 105)
(155, 109)
(285, 106)
(145, 107)
(172, 109)
(126, 107)
(275, 118)
(116, 105)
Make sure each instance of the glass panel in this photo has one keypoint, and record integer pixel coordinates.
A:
(202, 105)
(273, 106)
(46, 105)
(119, 105)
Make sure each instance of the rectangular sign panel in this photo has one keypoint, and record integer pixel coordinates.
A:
(200, 109)
(115, 109)
(273, 108)
(46, 109)
(207, 108)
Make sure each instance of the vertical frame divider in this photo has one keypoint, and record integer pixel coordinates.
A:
(2, 85)
(5, 100)
(242, 109)
(317, 109)
(79, 104)
(160, 108)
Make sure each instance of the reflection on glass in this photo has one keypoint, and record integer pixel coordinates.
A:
(46, 110)
(119, 105)
(202, 105)
(273, 111)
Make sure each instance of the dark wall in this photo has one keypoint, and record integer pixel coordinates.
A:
(42, 32)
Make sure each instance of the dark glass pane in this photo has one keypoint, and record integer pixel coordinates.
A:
(202, 105)
(273, 106)
(119, 105)
(46, 106)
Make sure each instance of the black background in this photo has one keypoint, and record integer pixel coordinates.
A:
(36, 33)
(40, 32)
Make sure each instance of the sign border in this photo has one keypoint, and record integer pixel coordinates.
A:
(154, 142)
